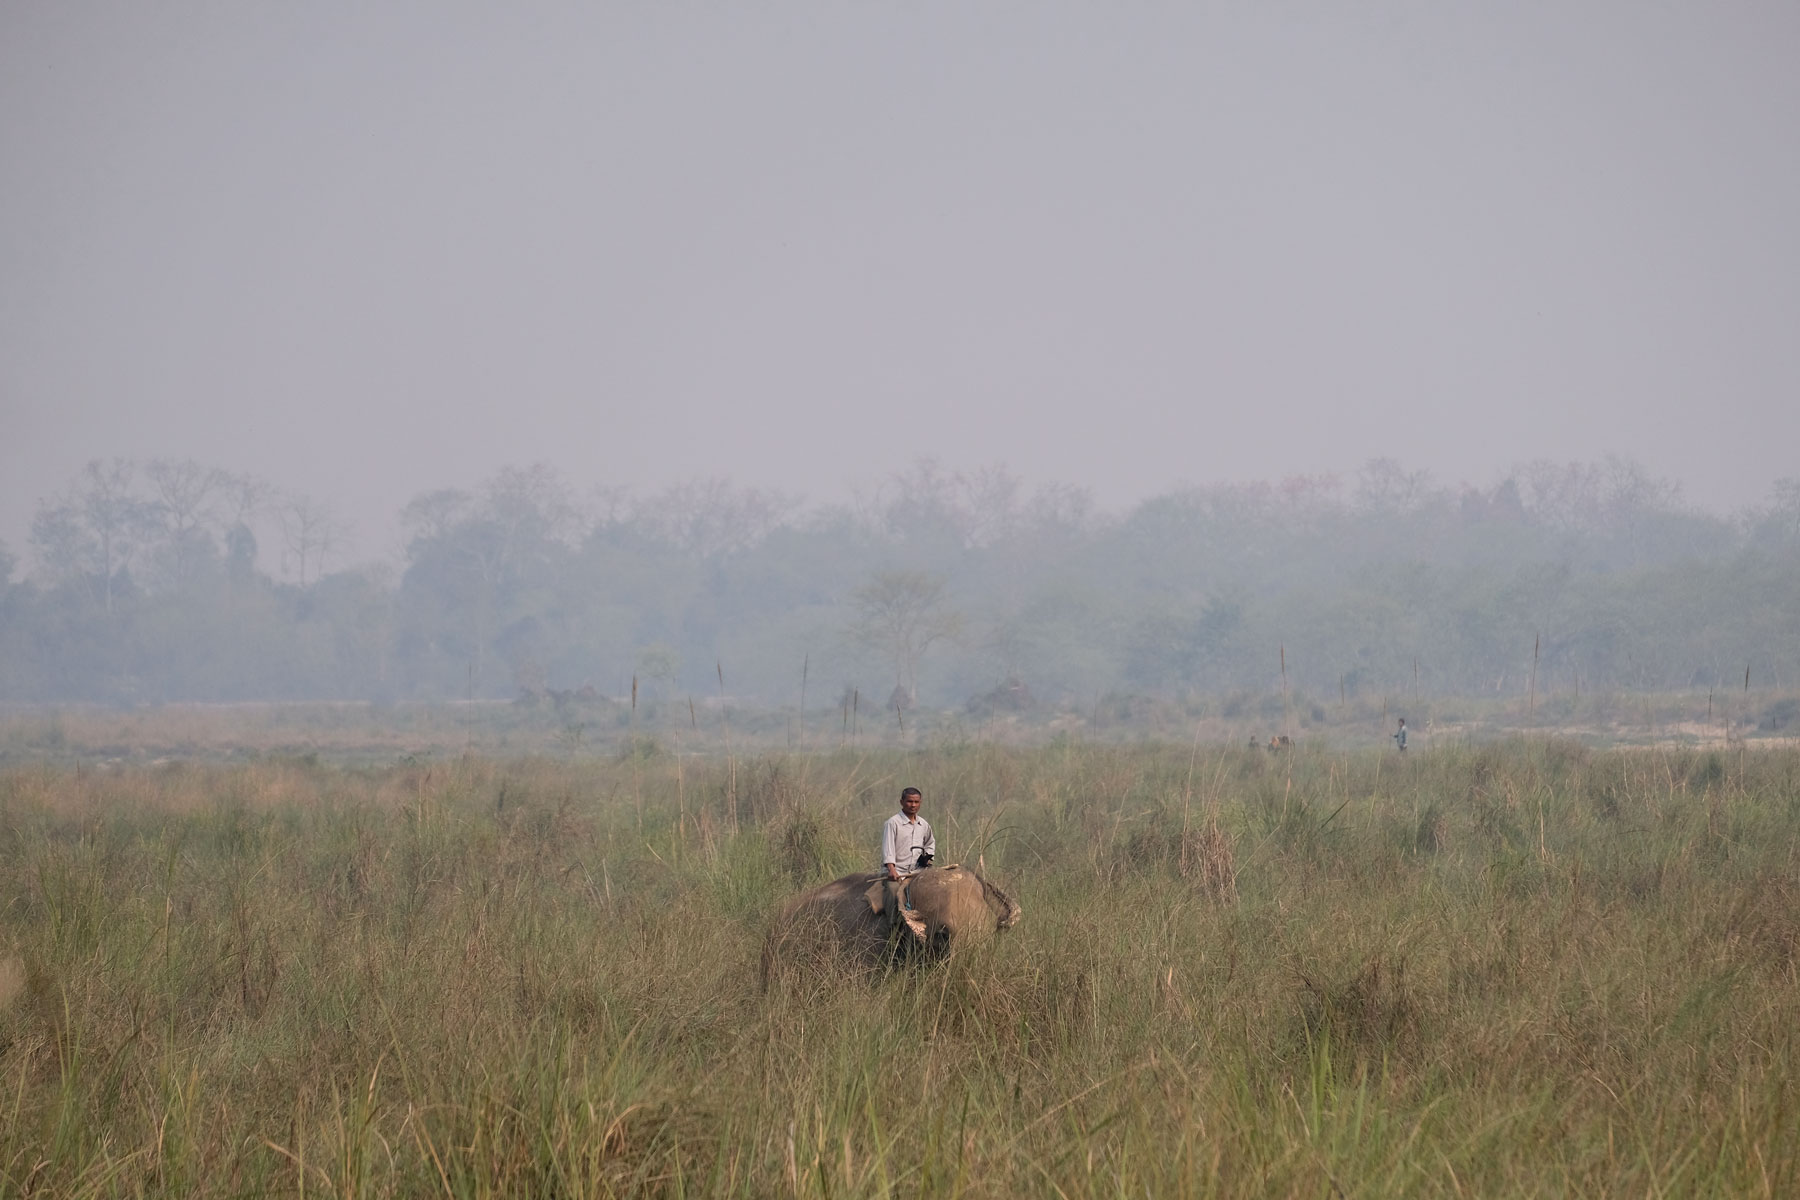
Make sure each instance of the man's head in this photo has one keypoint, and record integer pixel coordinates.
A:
(1403, 722)
(910, 799)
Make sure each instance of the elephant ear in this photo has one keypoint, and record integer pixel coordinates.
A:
(876, 901)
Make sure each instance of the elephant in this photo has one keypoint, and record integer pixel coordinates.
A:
(951, 906)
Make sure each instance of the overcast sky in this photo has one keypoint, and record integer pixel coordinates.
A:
(366, 249)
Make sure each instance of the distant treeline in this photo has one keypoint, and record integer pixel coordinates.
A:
(150, 582)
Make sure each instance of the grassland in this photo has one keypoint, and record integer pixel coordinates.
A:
(1525, 968)
(374, 734)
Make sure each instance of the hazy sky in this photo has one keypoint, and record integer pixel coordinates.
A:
(365, 249)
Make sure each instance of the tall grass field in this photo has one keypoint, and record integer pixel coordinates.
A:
(1520, 969)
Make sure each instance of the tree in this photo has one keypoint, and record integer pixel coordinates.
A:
(95, 528)
(433, 515)
(711, 517)
(481, 562)
(928, 506)
(1776, 526)
(309, 531)
(189, 502)
(901, 614)
(1384, 487)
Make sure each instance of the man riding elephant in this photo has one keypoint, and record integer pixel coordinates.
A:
(909, 909)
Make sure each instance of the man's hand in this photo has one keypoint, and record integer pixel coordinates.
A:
(893, 871)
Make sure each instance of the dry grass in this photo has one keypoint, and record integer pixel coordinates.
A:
(1522, 969)
(306, 733)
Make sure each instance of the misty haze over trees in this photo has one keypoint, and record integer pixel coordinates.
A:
(173, 581)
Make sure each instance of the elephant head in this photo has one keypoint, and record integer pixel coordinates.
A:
(959, 906)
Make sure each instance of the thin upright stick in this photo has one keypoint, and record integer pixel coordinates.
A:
(731, 797)
(637, 792)
(1287, 719)
(1536, 642)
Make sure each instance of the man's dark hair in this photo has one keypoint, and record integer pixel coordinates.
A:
(905, 792)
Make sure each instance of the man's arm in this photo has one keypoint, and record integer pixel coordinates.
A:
(930, 841)
(888, 850)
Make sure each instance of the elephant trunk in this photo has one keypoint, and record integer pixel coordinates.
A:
(1012, 910)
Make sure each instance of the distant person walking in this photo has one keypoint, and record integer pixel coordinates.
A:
(1400, 736)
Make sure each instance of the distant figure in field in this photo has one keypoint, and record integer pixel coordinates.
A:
(1400, 736)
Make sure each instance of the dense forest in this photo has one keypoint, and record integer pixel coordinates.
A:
(172, 580)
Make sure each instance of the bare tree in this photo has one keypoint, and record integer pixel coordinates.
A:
(309, 532)
(488, 544)
(532, 510)
(979, 508)
(902, 614)
(709, 517)
(189, 502)
(1384, 486)
(432, 515)
(1786, 507)
(246, 497)
(95, 528)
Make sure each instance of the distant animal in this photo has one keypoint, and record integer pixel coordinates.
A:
(847, 921)
(1281, 741)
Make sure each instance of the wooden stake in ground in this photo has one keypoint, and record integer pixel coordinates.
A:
(731, 797)
(469, 726)
(1536, 641)
(1287, 719)
(637, 791)
(804, 667)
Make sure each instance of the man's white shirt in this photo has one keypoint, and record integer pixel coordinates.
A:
(901, 841)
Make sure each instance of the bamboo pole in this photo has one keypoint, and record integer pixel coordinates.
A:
(805, 667)
(1536, 642)
(1287, 717)
(731, 796)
